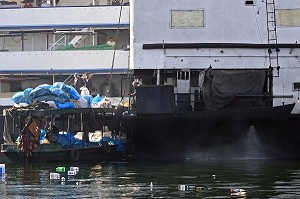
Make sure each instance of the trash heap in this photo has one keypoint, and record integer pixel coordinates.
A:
(61, 174)
(58, 95)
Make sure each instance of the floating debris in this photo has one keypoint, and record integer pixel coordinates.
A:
(199, 189)
(78, 183)
(2, 168)
(54, 176)
(183, 187)
(74, 169)
(60, 169)
(2, 171)
(238, 192)
(72, 173)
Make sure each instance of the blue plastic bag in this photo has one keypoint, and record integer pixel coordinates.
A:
(89, 99)
(61, 86)
(97, 99)
(66, 140)
(18, 98)
(73, 93)
(26, 95)
(120, 146)
(39, 91)
(64, 105)
(42, 135)
(60, 93)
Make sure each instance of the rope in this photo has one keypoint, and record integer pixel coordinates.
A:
(68, 124)
(114, 54)
(6, 135)
(123, 94)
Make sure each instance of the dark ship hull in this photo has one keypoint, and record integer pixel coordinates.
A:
(228, 133)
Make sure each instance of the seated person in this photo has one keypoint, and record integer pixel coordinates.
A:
(111, 42)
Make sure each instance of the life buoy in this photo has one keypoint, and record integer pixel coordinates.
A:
(74, 154)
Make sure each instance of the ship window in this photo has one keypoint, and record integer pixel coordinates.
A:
(248, 3)
(288, 17)
(187, 18)
(296, 86)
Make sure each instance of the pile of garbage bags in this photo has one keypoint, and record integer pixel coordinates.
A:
(58, 95)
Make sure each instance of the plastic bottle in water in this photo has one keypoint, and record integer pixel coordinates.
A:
(2, 171)
(60, 169)
(74, 169)
(72, 173)
(183, 187)
(54, 176)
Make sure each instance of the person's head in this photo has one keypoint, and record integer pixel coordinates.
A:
(111, 39)
(76, 75)
(89, 75)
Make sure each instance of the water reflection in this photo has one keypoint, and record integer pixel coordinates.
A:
(209, 179)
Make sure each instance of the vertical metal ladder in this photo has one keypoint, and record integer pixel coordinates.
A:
(272, 36)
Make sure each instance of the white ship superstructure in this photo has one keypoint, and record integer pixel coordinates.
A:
(237, 34)
(32, 43)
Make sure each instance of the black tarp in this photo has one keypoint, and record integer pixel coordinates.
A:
(220, 87)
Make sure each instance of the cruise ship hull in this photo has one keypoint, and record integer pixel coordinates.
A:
(243, 133)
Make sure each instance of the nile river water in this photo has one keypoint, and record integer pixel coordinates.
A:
(188, 179)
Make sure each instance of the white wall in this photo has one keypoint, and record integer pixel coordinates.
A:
(224, 22)
(73, 17)
(39, 62)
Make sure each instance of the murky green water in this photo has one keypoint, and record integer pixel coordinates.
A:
(205, 179)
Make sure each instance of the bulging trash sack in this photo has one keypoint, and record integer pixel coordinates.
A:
(82, 103)
(61, 86)
(73, 93)
(18, 98)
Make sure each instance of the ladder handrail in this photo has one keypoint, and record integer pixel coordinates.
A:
(272, 32)
(53, 46)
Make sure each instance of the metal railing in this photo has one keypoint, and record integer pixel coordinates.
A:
(195, 101)
(61, 42)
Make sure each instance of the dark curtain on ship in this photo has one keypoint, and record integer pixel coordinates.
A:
(220, 87)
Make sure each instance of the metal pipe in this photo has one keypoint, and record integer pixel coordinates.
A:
(158, 77)
(217, 45)
(22, 38)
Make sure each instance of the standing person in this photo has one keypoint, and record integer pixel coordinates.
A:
(111, 42)
(78, 82)
(28, 3)
(89, 82)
